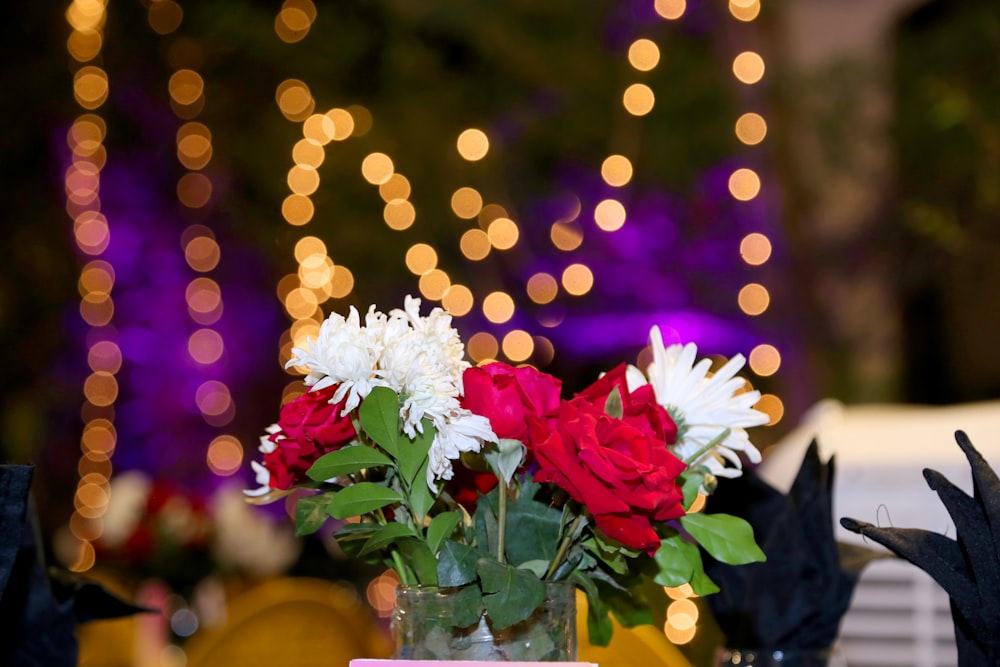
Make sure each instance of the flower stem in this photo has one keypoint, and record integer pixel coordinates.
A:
(712, 443)
(563, 548)
(502, 519)
(400, 567)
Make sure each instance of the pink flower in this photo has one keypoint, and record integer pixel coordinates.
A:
(508, 396)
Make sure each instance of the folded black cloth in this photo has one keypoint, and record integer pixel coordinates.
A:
(797, 598)
(968, 568)
(40, 608)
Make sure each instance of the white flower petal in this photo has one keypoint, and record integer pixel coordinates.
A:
(263, 478)
(708, 404)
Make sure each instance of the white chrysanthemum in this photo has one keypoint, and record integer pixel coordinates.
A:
(263, 479)
(343, 354)
(705, 405)
(419, 358)
(424, 364)
(462, 432)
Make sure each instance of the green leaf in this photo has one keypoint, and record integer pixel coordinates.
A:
(676, 561)
(385, 535)
(505, 458)
(420, 559)
(357, 530)
(536, 567)
(379, 415)
(456, 564)
(613, 405)
(412, 454)
(630, 610)
(692, 479)
(347, 460)
(511, 595)
(533, 531)
(442, 526)
(487, 529)
(421, 496)
(360, 498)
(351, 537)
(599, 626)
(310, 513)
(612, 555)
(466, 606)
(726, 537)
(701, 583)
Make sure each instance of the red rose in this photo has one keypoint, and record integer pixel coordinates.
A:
(621, 474)
(507, 396)
(639, 407)
(309, 426)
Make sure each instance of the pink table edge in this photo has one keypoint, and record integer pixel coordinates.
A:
(367, 662)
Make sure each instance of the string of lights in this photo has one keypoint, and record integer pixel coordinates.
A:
(91, 231)
(317, 278)
(202, 253)
(745, 185)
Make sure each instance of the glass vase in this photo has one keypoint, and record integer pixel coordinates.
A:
(422, 628)
(831, 657)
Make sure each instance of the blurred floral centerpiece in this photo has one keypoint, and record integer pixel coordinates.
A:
(156, 529)
(492, 496)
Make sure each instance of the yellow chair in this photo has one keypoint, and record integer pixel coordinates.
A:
(290, 621)
(641, 646)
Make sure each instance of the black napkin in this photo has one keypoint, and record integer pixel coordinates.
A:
(40, 609)
(797, 598)
(968, 568)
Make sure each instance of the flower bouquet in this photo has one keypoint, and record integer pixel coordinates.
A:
(484, 485)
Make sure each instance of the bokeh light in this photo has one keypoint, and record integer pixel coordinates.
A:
(377, 168)
(643, 54)
(751, 128)
(225, 455)
(616, 170)
(343, 123)
(475, 244)
(498, 307)
(421, 258)
(755, 248)
(638, 99)
(434, 284)
(610, 215)
(748, 67)
(482, 346)
(772, 406)
(399, 214)
(458, 300)
(670, 9)
(566, 236)
(753, 299)
(577, 279)
(542, 288)
(744, 184)
(744, 10)
(503, 233)
(764, 360)
(518, 345)
(473, 144)
(466, 203)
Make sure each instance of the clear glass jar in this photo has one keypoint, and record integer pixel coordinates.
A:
(831, 657)
(423, 630)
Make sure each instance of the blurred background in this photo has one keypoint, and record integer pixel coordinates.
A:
(191, 187)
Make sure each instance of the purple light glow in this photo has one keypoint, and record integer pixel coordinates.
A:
(160, 429)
